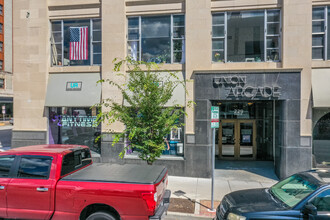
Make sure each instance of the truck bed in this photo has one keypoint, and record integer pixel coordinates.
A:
(137, 174)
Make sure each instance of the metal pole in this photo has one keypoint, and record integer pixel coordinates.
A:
(213, 163)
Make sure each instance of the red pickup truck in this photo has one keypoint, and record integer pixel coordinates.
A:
(61, 182)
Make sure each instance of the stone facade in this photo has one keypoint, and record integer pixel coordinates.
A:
(32, 67)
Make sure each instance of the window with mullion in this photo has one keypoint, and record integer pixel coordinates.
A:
(76, 42)
(56, 40)
(218, 37)
(178, 36)
(133, 38)
(97, 42)
(246, 36)
(273, 35)
(158, 39)
(318, 33)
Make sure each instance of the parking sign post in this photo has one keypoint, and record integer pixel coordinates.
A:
(214, 125)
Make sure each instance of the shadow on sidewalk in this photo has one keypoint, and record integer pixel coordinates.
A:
(261, 169)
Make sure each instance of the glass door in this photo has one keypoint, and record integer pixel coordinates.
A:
(227, 139)
(247, 139)
(237, 139)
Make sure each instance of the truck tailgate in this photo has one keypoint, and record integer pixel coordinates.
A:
(137, 174)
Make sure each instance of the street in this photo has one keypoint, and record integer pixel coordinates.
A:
(5, 136)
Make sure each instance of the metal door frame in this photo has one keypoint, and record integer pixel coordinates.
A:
(237, 123)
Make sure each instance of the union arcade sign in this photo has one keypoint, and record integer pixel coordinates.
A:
(236, 87)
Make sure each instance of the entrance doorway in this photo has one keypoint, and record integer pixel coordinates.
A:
(237, 139)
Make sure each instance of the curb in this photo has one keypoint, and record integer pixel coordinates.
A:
(187, 215)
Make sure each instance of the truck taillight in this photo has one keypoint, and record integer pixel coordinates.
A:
(151, 200)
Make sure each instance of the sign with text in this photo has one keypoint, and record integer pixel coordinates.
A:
(214, 117)
(73, 86)
(237, 87)
(78, 121)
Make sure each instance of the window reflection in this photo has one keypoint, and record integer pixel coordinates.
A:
(321, 142)
(158, 39)
(69, 125)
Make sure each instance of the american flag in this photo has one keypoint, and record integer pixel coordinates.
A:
(78, 43)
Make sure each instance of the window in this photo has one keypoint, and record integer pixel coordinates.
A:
(1, 64)
(1, 46)
(96, 42)
(34, 167)
(1, 28)
(250, 36)
(76, 42)
(322, 201)
(158, 39)
(293, 189)
(2, 83)
(75, 160)
(5, 164)
(173, 142)
(1, 9)
(75, 125)
(319, 34)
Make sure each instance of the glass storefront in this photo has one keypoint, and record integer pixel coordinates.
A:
(321, 142)
(74, 125)
(173, 142)
(246, 130)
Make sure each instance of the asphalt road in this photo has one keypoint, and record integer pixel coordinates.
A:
(5, 136)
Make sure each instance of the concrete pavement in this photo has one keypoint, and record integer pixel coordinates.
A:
(229, 176)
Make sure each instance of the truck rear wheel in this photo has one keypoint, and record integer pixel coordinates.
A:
(101, 216)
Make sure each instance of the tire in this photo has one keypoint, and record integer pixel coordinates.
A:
(101, 215)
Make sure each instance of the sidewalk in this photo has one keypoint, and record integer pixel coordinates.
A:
(4, 123)
(191, 196)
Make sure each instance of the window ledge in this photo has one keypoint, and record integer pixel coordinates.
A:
(168, 66)
(320, 64)
(162, 157)
(73, 69)
(247, 65)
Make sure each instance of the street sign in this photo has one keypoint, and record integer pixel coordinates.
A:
(214, 125)
(214, 117)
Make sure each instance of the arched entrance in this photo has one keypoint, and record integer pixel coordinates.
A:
(321, 142)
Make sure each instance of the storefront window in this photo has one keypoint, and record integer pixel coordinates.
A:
(69, 125)
(173, 142)
(321, 142)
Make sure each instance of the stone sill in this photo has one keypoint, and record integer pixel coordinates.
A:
(75, 69)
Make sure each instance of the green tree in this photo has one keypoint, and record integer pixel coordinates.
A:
(147, 119)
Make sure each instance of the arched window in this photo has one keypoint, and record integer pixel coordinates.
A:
(321, 142)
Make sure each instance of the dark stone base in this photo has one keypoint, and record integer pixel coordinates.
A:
(26, 138)
(195, 163)
(293, 160)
